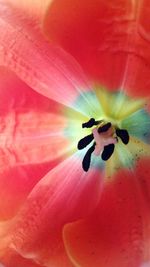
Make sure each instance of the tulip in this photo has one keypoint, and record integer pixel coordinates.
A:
(75, 133)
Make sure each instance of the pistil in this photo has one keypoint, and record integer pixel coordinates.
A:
(103, 139)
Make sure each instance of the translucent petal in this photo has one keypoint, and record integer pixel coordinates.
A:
(44, 67)
(65, 194)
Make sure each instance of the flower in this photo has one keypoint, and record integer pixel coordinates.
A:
(75, 139)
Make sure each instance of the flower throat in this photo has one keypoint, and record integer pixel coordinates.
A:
(104, 136)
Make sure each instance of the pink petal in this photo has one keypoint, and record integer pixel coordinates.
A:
(63, 195)
(45, 68)
(118, 232)
(110, 39)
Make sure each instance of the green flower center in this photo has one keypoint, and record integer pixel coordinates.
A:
(109, 129)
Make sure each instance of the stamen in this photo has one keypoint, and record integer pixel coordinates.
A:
(107, 152)
(85, 141)
(102, 140)
(87, 158)
(105, 137)
(104, 128)
(90, 123)
(123, 134)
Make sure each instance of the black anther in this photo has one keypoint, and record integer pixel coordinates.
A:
(107, 152)
(85, 141)
(123, 134)
(87, 158)
(104, 128)
(90, 123)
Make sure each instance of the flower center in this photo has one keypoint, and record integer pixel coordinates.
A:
(100, 126)
(104, 136)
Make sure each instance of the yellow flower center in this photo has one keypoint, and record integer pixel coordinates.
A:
(111, 130)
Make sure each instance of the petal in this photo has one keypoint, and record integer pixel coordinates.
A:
(32, 140)
(59, 258)
(110, 39)
(44, 67)
(14, 260)
(63, 195)
(16, 183)
(34, 8)
(118, 232)
(31, 126)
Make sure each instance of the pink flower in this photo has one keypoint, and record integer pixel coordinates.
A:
(74, 133)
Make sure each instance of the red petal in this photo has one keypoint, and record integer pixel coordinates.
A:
(31, 126)
(52, 254)
(63, 195)
(12, 259)
(46, 68)
(31, 140)
(110, 39)
(118, 232)
(34, 8)
(16, 183)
